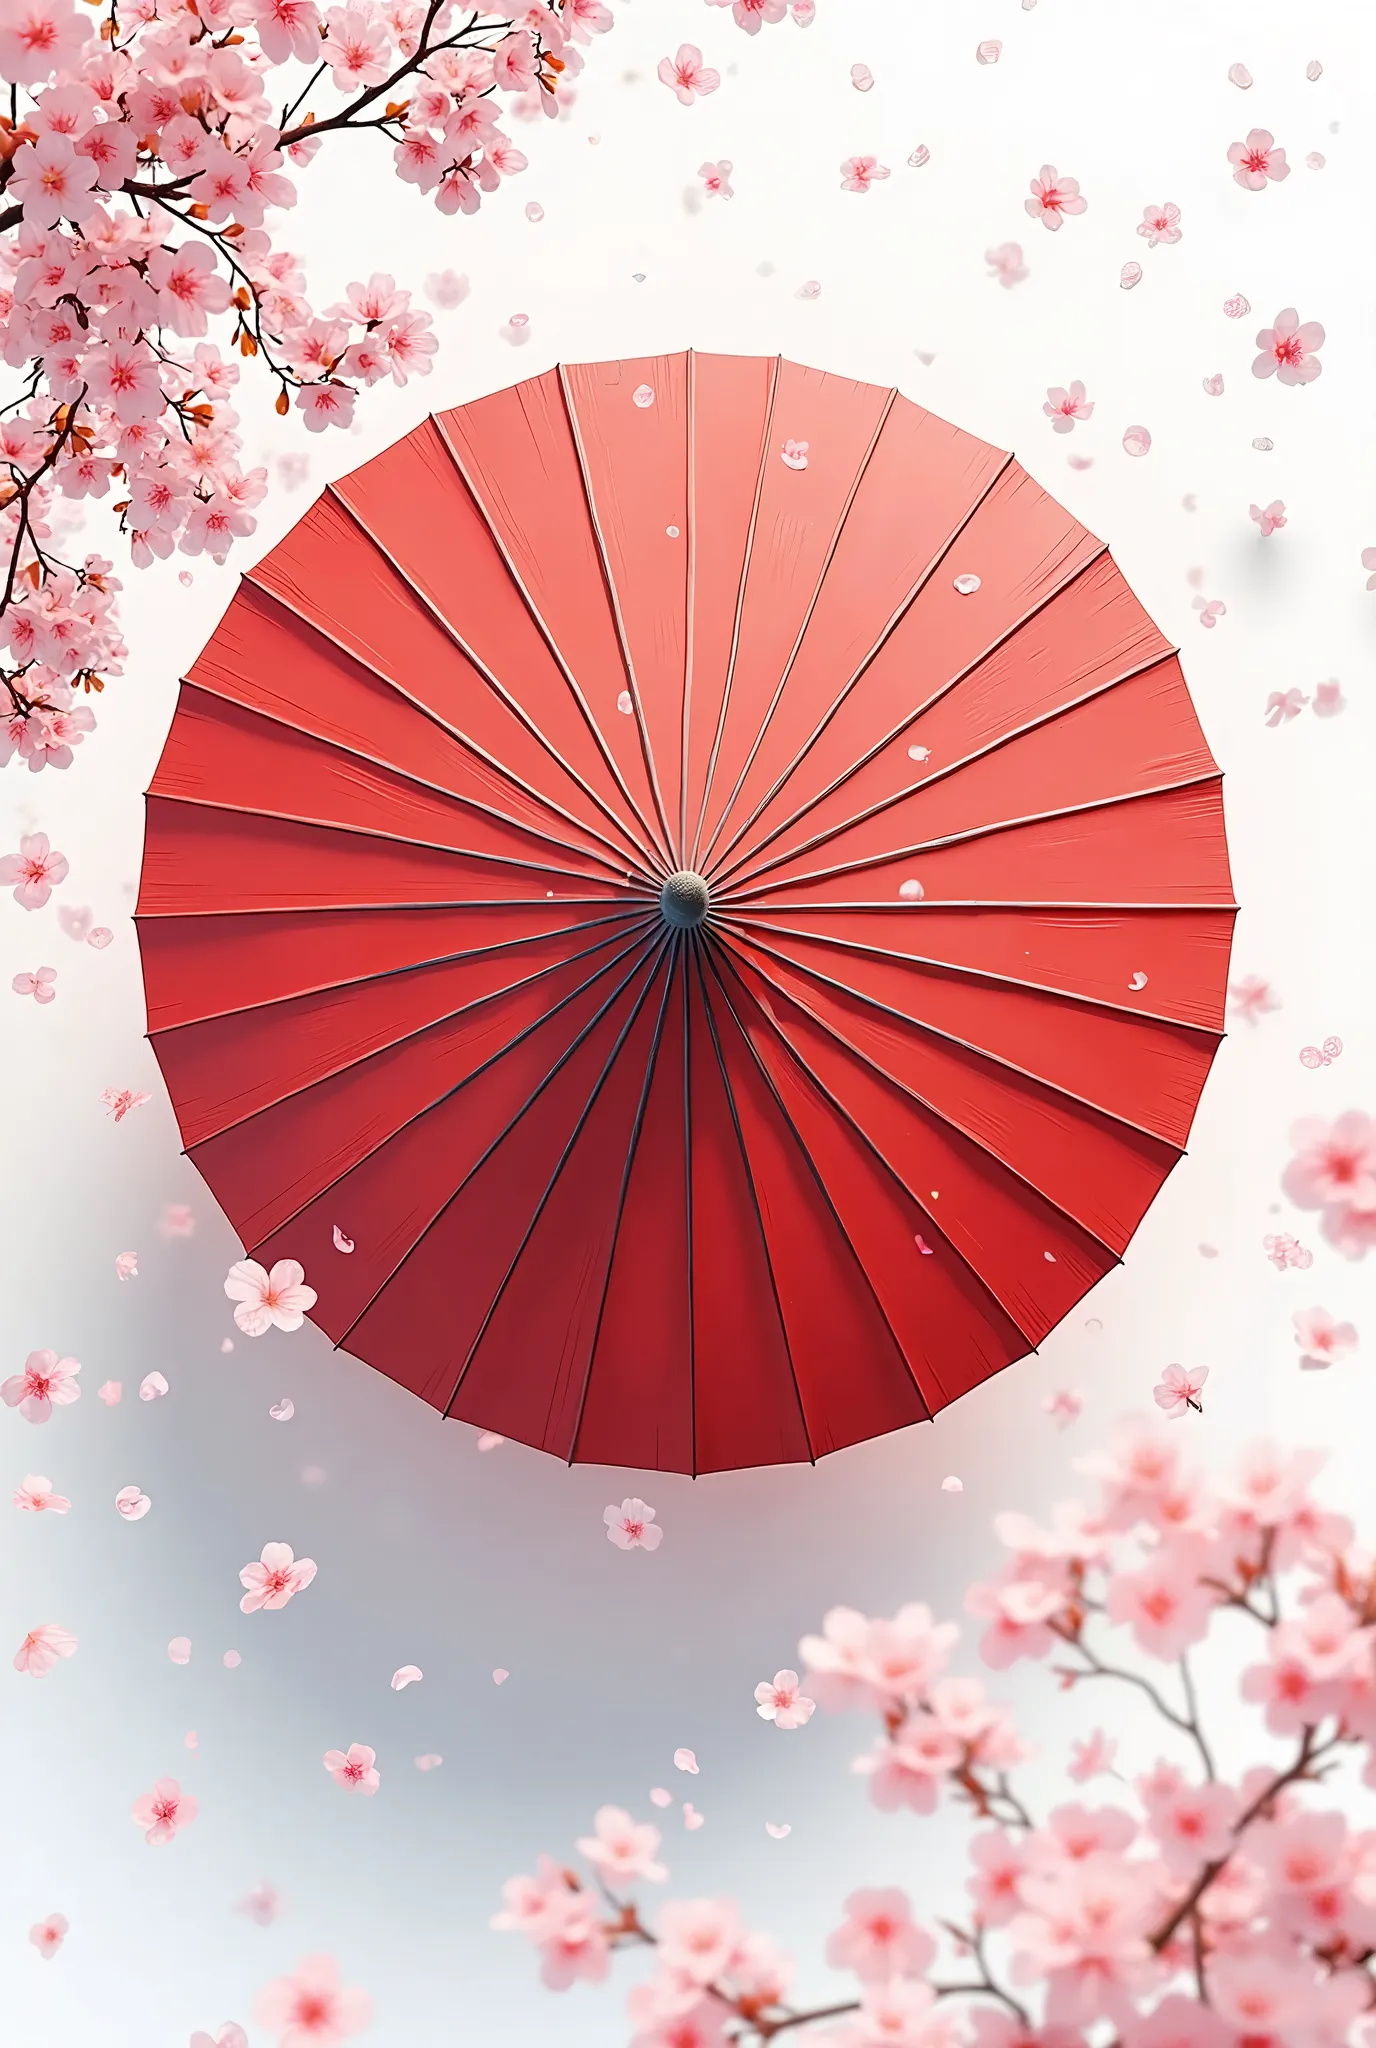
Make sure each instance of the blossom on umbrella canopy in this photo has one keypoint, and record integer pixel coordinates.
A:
(265, 1301)
(277, 1578)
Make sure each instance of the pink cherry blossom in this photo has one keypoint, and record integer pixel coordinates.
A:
(1334, 1171)
(632, 1526)
(176, 1220)
(1252, 998)
(41, 984)
(879, 1938)
(1063, 407)
(858, 173)
(164, 1811)
(1256, 160)
(42, 1647)
(34, 870)
(47, 1382)
(119, 1101)
(262, 1904)
(700, 1938)
(1160, 224)
(621, 1848)
(1178, 1389)
(1289, 351)
(1284, 1250)
(312, 2009)
(277, 1578)
(687, 75)
(265, 1301)
(1164, 1606)
(1210, 610)
(717, 179)
(1323, 1341)
(751, 15)
(781, 1701)
(1270, 518)
(49, 1935)
(1329, 699)
(1092, 1758)
(1053, 197)
(1006, 264)
(1283, 705)
(1064, 1406)
(35, 1496)
(354, 1768)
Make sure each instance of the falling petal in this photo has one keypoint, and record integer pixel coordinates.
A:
(624, 704)
(1240, 76)
(1214, 385)
(1237, 306)
(1316, 160)
(534, 210)
(659, 1797)
(643, 396)
(1137, 980)
(952, 1485)
(778, 1829)
(1129, 275)
(988, 53)
(684, 1760)
(1313, 70)
(920, 156)
(911, 891)
(428, 1763)
(861, 77)
(282, 1411)
(967, 585)
(489, 1440)
(1263, 444)
(409, 1674)
(692, 1819)
(179, 1649)
(151, 1386)
(1136, 441)
(231, 1660)
(342, 1243)
(499, 1676)
(811, 289)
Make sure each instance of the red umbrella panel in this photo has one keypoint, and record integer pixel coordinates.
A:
(709, 877)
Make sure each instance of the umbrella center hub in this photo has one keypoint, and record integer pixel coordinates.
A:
(684, 900)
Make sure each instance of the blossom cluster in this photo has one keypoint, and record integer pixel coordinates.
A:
(1210, 1898)
(1334, 1171)
(147, 152)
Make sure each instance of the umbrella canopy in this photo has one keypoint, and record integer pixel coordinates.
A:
(708, 876)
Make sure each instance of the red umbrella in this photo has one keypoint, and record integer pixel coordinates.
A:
(710, 878)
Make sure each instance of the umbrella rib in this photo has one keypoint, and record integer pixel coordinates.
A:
(754, 1199)
(609, 581)
(368, 909)
(765, 441)
(537, 618)
(612, 1057)
(822, 1189)
(631, 1151)
(689, 607)
(202, 803)
(937, 1228)
(688, 1207)
(616, 863)
(948, 1038)
(500, 1139)
(627, 850)
(906, 723)
(949, 770)
(837, 531)
(990, 974)
(469, 654)
(446, 1017)
(322, 988)
(940, 903)
(985, 831)
(895, 620)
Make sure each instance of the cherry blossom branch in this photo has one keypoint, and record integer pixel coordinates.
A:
(1095, 1668)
